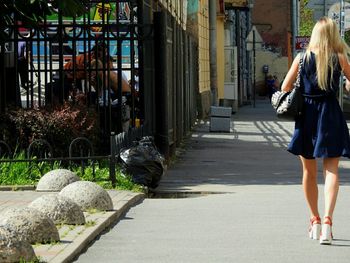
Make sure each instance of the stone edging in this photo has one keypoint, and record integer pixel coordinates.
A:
(82, 241)
(17, 187)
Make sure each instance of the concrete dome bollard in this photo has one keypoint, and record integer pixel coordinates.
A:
(56, 180)
(60, 209)
(88, 195)
(14, 250)
(30, 225)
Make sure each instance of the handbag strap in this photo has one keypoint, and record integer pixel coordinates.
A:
(297, 81)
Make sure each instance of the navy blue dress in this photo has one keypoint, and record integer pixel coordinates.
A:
(321, 130)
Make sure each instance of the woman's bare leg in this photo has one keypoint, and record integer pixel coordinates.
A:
(310, 184)
(331, 185)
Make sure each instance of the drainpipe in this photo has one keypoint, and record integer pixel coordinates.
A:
(342, 34)
(294, 24)
(212, 51)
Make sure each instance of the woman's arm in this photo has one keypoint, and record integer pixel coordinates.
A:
(344, 63)
(287, 84)
(114, 78)
(347, 85)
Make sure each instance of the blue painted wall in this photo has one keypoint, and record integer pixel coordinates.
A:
(192, 6)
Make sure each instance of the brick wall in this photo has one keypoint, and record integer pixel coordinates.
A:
(273, 21)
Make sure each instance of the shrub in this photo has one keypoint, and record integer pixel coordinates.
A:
(58, 126)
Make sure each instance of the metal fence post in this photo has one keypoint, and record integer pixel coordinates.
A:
(163, 82)
(113, 160)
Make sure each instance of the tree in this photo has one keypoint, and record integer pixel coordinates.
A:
(306, 19)
(32, 12)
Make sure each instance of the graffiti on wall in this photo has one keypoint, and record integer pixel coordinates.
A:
(103, 18)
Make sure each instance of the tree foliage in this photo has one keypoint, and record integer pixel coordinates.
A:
(306, 19)
(347, 37)
(34, 11)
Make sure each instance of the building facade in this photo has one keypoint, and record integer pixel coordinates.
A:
(273, 21)
(233, 58)
(198, 27)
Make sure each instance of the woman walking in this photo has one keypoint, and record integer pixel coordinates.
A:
(321, 131)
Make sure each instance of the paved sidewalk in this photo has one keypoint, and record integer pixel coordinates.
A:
(253, 153)
(262, 217)
(216, 161)
(262, 182)
(73, 239)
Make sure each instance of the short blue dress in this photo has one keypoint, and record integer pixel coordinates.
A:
(321, 131)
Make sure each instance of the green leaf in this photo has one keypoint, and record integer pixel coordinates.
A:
(306, 19)
(34, 11)
(72, 8)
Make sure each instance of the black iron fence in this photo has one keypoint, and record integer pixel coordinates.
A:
(81, 153)
(84, 60)
(176, 67)
(95, 56)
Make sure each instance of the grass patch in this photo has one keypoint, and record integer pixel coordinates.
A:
(65, 233)
(38, 260)
(90, 223)
(92, 211)
(124, 182)
(22, 172)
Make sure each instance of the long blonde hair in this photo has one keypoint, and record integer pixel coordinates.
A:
(326, 39)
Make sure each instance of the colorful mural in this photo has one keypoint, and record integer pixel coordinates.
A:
(101, 16)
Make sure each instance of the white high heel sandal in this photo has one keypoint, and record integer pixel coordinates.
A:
(326, 233)
(315, 227)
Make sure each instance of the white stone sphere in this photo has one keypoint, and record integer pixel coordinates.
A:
(88, 195)
(60, 209)
(12, 249)
(56, 180)
(30, 225)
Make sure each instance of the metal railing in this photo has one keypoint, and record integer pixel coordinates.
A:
(96, 54)
(81, 153)
(143, 40)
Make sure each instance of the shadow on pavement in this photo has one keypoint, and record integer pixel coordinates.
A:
(253, 153)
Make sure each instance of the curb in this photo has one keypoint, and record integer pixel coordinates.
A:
(82, 242)
(17, 187)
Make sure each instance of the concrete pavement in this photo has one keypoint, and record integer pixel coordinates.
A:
(256, 223)
(253, 153)
(258, 213)
(73, 239)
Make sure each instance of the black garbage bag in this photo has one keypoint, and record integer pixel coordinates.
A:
(143, 162)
